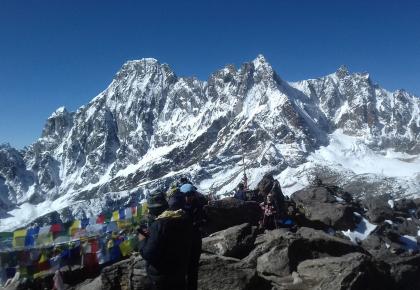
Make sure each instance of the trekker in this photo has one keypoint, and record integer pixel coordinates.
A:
(194, 203)
(240, 192)
(184, 180)
(269, 221)
(166, 246)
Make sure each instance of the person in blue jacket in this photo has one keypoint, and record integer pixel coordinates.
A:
(240, 192)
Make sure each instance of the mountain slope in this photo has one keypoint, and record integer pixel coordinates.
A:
(150, 126)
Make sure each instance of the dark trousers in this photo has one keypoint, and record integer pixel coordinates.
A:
(169, 284)
(192, 276)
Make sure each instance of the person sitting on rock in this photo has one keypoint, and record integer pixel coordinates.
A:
(167, 246)
(240, 192)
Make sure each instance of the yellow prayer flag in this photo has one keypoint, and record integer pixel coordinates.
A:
(115, 216)
(144, 209)
(19, 233)
(125, 248)
(74, 227)
(122, 224)
(43, 258)
(19, 238)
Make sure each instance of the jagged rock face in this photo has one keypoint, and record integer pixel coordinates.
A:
(150, 126)
(15, 179)
(353, 103)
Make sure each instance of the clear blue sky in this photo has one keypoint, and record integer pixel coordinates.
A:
(55, 53)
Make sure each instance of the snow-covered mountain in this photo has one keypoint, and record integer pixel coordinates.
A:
(151, 126)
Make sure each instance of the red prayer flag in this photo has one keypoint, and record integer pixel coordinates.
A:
(56, 228)
(94, 246)
(100, 219)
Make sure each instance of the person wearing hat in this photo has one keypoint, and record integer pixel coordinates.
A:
(240, 192)
(166, 246)
(194, 203)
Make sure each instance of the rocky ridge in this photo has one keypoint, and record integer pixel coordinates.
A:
(151, 126)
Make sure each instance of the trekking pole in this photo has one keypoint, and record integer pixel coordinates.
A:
(277, 208)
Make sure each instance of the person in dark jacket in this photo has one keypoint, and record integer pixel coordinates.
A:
(194, 203)
(166, 246)
(240, 192)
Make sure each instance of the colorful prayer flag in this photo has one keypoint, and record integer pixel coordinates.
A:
(112, 227)
(121, 214)
(43, 263)
(144, 209)
(92, 220)
(31, 234)
(128, 213)
(19, 238)
(115, 216)
(84, 223)
(134, 211)
(56, 228)
(100, 219)
(44, 236)
(74, 228)
(125, 248)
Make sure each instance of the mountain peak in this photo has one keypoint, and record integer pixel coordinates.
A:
(59, 112)
(342, 71)
(143, 67)
(260, 60)
(145, 60)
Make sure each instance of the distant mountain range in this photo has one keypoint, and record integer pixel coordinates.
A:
(151, 126)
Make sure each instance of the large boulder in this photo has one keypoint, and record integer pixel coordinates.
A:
(276, 262)
(376, 245)
(223, 273)
(405, 205)
(388, 238)
(378, 208)
(323, 208)
(95, 284)
(228, 212)
(269, 185)
(126, 274)
(334, 215)
(116, 276)
(405, 226)
(405, 270)
(137, 275)
(351, 271)
(265, 242)
(234, 242)
(313, 194)
(277, 253)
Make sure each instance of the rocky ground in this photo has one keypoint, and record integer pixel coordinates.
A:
(336, 242)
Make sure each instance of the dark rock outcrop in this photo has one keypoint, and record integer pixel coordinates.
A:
(125, 275)
(222, 273)
(378, 208)
(280, 254)
(351, 271)
(323, 209)
(234, 242)
(228, 212)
